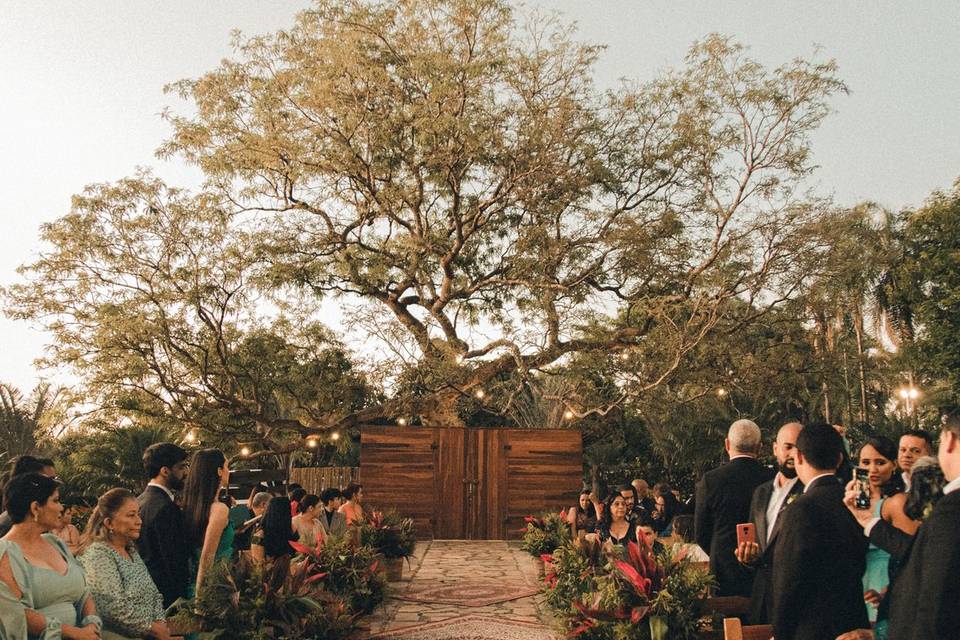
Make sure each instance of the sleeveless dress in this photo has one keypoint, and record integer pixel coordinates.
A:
(224, 552)
(877, 575)
(629, 536)
(59, 598)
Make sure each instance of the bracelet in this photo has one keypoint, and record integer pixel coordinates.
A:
(94, 620)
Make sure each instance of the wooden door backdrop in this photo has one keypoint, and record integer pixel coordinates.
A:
(470, 483)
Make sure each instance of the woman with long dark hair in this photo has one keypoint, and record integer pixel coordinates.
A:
(616, 528)
(271, 540)
(583, 517)
(206, 519)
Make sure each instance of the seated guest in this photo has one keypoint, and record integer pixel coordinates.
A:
(127, 599)
(295, 493)
(685, 548)
(244, 533)
(67, 531)
(644, 501)
(614, 525)
(647, 534)
(665, 507)
(305, 524)
(630, 498)
(820, 554)
(879, 458)
(352, 507)
(18, 466)
(271, 541)
(43, 593)
(332, 522)
(583, 517)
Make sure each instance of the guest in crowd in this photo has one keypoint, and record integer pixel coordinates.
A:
(240, 514)
(926, 488)
(271, 540)
(206, 519)
(615, 526)
(878, 457)
(163, 541)
(630, 498)
(820, 555)
(926, 590)
(685, 547)
(352, 507)
(43, 593)
(665, 507)
(767, 505)
(18, 466)
(913, 445)
(126, 597)
(257, 505)
(332, 522)
(68, 532)
(647, 534)
(723, 502)
(296, 493)
(583, 517)
(306, 524)
(644, 501)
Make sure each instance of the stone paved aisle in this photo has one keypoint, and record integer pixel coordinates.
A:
(453, 561)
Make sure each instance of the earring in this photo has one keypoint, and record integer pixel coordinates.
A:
(36, 517)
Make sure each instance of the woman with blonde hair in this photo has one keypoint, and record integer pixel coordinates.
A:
(126, 597)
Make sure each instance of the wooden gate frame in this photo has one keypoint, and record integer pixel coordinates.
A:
(470, 483)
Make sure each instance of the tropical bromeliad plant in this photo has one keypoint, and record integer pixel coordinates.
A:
(238, 602)
(545, 533)
(606, 592)
(391, 535)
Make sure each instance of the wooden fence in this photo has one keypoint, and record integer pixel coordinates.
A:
(315, 479)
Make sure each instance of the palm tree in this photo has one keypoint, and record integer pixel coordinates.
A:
(26, 424)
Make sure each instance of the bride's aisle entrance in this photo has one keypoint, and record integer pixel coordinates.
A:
(465, 590)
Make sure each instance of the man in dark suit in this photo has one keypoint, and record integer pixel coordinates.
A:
(723, 502)
(925, 596)
(769, 501)
(163, 541)
(820, 554)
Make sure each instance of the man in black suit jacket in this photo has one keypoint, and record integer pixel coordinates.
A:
(723, 502)
(769, 501)
(163, 541)
(820, 554)
(925, 596)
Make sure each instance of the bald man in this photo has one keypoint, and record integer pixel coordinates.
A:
(723, 502)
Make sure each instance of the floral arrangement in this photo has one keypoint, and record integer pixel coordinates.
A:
(388, 533)
(606, 592)
(237, 602)
(349, 571)
(544, 534)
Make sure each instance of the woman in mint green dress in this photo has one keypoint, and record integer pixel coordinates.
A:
(127, 598)
(43, 592)
(206, 518)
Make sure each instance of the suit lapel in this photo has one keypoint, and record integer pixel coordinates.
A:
(760, 514)
(795, 490)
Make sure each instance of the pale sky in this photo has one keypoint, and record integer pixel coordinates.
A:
(81, 92)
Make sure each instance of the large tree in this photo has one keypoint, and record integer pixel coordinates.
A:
(454, 169)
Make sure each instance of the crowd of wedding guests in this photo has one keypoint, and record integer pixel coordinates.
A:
(138, 554)
(832, 543)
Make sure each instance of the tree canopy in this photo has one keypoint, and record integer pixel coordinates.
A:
(451, 168)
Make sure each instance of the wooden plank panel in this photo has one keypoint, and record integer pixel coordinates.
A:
(451, 518)
(544, 472)
(398, 470)
(492, 484)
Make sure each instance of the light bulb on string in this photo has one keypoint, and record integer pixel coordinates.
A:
(245, 451)
(479, 393)
(402, 422)
(312, 443)
(191, 436)
(721, 392)
(568, 415)
(335, 435)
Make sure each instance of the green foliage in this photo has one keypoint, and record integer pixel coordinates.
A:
(351, 573)
(545, 533)
(236, 602)
(29, 424)
(389, 534)
(611, 593)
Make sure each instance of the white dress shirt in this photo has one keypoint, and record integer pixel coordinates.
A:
(777, 496)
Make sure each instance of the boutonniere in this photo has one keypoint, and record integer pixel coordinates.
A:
(791, 498)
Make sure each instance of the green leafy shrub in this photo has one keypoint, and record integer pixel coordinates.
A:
(545, 534)
(351, 572)
(388, 533)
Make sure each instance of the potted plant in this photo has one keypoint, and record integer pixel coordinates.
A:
(543, 535)
(392, 537)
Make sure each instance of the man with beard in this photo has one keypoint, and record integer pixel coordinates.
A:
(769, 501)
(163, 541)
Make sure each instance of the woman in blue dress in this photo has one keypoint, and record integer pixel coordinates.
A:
(206, 519)
(887, 499)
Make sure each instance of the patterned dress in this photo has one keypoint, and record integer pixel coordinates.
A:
(125, 595)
